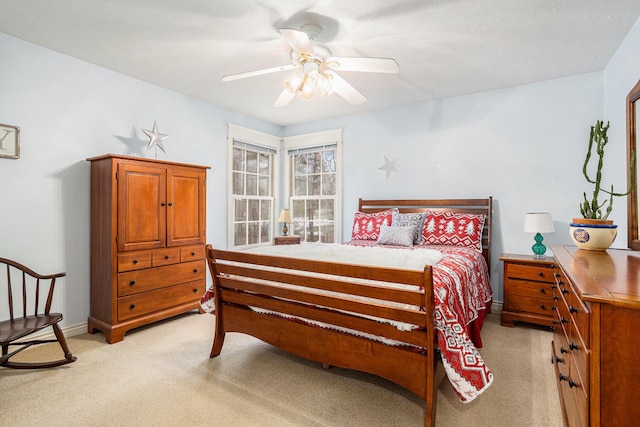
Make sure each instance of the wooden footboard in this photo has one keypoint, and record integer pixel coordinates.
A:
(260, 295)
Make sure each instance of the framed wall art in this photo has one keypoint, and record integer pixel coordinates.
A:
(9, 142)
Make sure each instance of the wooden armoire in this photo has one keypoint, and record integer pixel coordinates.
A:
(148, 234)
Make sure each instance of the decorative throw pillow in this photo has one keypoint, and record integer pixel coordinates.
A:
(396, 236)
(366, 226)
(414, 219)
(455, 229)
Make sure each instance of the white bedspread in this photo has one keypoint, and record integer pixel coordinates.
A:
(377, 256)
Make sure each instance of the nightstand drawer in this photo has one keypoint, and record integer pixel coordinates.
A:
(286, 240)
(538, 273)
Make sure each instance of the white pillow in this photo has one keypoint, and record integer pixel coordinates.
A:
(396, 236)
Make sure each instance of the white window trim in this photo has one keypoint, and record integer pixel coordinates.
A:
(254, 137)
(315, 140)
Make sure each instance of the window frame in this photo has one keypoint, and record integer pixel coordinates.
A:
(306, 142)
(258, 139)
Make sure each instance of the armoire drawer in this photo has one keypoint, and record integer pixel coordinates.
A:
(165, 256)
(148, 302)
(134, 261)
(192, 253)
(133, 282)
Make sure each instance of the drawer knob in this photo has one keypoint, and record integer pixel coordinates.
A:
(563, 320)
(193, 253)
(562, 378)
(135, 261)
(542, 306)
(540, 273)
(195, 290)
(132, 306)
(554, 308)
(559, 360)
(572, 384)
(563, 350)
(564, 291)
(166, 257)
(131, 283)
(163, 204)
(554, 286)
(555, 298)
(543, 291)
(195, 270)
(573, 346)
(572, 309)
(170, 203)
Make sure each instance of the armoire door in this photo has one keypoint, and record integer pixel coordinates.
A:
(185, 207)
(142, 207)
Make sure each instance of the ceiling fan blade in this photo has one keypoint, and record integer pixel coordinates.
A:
(345, 90)
(371, 65)
(298, 40)
(284, 99)
(232, 77)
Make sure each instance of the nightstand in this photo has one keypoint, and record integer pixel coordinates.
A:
(286, 240)
(528, 285)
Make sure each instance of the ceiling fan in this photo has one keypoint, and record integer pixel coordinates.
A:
(316, 69)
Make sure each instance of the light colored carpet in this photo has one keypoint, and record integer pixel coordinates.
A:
(162, 376)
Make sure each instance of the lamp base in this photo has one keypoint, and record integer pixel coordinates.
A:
(539, 249)
(285, 229)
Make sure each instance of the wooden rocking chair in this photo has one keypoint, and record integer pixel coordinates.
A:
(26, 290)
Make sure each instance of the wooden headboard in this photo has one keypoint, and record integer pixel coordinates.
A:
(470, 206)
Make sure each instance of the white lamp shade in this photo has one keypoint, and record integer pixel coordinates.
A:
(285, 216)
(538, 222)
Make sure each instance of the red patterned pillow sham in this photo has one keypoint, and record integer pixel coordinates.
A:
(366, 226)
(453, 229)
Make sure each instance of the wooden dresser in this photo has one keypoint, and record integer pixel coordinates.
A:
(528, 284)
(595, 347)
(148, 236)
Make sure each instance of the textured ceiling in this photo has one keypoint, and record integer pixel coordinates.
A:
(445, 48)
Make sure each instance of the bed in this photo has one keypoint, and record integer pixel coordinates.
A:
(396, 321)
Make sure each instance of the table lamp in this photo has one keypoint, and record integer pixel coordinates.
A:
(538, 222)
(285, 217)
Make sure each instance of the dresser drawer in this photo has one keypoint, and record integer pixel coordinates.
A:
(537, 273)
(580, 355)
(134, 261)
(148, 302)
(191, 253)
(531, 305)
(166, 256)
(580, 396)
(579, 313)
(145, 280)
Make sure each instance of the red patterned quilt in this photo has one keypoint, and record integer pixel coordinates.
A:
(462, 292)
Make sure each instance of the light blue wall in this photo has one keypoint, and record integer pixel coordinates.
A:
(523, 145)
(67, 111)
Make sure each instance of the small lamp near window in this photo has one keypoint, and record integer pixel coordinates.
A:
(285, 217)
(538, 222)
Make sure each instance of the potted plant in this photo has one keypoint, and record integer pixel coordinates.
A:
(594, 231)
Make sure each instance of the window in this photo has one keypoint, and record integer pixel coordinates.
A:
(253, 166)
(313, 172)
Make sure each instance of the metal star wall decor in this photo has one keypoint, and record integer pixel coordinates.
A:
(155, 137)
(389, 166)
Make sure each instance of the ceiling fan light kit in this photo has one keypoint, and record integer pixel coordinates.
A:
(315, 74)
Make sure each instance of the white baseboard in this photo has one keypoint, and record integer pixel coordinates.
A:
(68, 331)
(496, 306)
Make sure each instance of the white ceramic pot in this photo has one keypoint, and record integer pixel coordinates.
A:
(593, 237)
